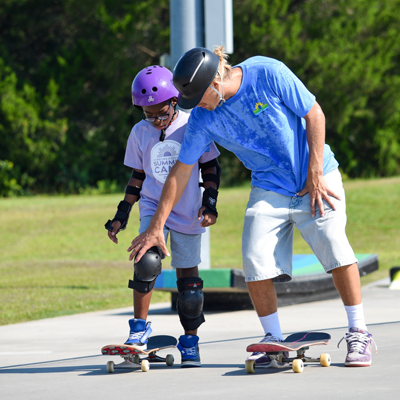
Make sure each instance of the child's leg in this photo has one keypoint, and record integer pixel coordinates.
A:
(139, 328)
(185, 257)
(141, 304)
(190, 310)
(188, 273)
(144, 278)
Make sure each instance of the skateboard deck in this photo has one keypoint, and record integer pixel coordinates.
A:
(299, 342)
(131, 354)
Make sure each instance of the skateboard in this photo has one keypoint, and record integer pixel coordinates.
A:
(131, 354)
(299, 342)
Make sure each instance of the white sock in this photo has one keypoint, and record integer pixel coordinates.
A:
(355, 317)
(270, 324)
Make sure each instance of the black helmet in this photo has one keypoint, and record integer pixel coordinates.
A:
(193, 73)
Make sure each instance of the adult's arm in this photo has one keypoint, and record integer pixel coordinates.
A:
(316, 185)
(172, 191)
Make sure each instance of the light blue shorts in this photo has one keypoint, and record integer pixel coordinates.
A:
(185, 248)
(267, 241)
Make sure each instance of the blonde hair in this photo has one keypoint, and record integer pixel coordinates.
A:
(224, 67)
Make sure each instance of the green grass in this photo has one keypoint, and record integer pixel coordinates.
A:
(56, 258)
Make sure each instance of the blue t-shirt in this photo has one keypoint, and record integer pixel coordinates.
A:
(263, 125)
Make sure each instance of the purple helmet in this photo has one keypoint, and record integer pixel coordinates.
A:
(153, 85)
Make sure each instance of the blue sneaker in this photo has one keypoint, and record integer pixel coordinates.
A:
(189, 347)
(140, 331)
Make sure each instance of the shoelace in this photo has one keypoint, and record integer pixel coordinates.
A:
(357, 341)
(139, 335)
(136, 335)
(191, 351)
(268, 338)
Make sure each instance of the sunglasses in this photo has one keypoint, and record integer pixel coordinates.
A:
(161, 117)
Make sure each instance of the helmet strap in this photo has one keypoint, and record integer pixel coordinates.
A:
(221, 96)
(162, 135)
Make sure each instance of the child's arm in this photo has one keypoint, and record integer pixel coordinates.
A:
(132, 195)
(210, 172)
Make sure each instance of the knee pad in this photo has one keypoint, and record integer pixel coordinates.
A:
(190, 302)
(146, 271)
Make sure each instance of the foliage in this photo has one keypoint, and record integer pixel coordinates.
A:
(30, 130)
(66, 68)
(66, 72)
(8, 183)
(347, 52)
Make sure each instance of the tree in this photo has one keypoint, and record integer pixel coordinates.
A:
(66, 68)
(82, 58)
(347, 54)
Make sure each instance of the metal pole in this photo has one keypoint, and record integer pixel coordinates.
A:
(186, 27)
(186, 32)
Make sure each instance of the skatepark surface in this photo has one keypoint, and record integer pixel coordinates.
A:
(60, 358)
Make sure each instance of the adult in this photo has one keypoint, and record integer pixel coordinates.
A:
(264, 114)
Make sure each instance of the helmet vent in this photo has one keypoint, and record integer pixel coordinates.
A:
(154, 89)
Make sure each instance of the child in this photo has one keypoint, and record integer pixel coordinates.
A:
(152, 150)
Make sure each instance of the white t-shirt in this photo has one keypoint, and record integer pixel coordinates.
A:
(144, 151)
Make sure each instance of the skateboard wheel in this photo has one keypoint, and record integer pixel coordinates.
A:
(169, 360)
(145, 365)
(325, 360)
(110, 367)
(136, 359)
(250, 366)
(298, 365)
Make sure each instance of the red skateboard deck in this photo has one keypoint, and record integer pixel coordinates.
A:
(278, 351)
(293, 342)
(131, 353)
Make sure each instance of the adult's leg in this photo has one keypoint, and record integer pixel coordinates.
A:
(263, 296)
(327, 238)
(267, 243)
(264, 299)
(347, 283)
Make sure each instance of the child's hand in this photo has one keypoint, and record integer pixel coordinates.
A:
(209, 219)
(113, 235)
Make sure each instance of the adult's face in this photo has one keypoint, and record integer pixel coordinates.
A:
(210, 100)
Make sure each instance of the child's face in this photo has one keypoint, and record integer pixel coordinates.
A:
(159, 115)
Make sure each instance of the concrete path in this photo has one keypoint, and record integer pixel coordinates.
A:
(60, 358)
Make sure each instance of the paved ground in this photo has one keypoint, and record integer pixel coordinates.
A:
(60, 358)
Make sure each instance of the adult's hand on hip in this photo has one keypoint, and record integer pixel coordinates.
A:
(318, 190)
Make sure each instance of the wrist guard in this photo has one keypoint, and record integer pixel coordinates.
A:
(210, 176)
(135, 190)
(210, 201)
(122, 215)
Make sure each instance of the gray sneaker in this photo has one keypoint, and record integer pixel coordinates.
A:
(264, 361)
(359, 346)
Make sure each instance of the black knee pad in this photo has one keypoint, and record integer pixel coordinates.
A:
(190, 302)
(146, 271)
